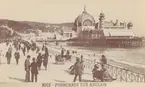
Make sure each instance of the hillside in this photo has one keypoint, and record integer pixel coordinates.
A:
(29, 26)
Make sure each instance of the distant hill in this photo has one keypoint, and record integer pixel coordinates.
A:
(28, 26)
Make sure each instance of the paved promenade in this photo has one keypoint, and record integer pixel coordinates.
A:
(55, 72)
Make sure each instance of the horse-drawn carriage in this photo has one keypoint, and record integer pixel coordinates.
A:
(60, 59)
(67, 57)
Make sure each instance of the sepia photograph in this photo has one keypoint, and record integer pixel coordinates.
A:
(72, 43)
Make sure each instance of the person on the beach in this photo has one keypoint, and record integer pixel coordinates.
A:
(78, 70)
(27, 69)
(34, 70)
(17, 56)
(39, 60)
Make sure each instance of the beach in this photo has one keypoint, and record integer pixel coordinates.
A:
(116, 56)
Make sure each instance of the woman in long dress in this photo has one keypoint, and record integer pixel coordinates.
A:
(45, 58)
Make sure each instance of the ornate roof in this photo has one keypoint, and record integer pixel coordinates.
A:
(84, 16)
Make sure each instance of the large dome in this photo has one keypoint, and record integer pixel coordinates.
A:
(84, 19)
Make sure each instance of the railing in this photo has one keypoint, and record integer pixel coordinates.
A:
(122, 74)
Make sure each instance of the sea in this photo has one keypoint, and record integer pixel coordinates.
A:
(134, 56)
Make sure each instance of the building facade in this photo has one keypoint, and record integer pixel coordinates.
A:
(111, 32)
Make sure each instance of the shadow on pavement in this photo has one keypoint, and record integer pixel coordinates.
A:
(58, 80)
(18, 79)
(67, 71)
(85, 80)
(58, 63)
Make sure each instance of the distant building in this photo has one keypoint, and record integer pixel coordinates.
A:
(67, 32)
(111, 32)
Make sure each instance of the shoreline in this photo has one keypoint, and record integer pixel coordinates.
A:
(120, 64)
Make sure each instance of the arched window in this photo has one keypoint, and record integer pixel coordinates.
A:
(87, 23)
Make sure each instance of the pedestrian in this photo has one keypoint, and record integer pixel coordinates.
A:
(39, 60)
(43, 47)
(19, 47)
(24, 50)
(27, 69)
(97, 73)
(103, 60)
(28, 48)
(8, 56)
(82, 58)
(37, 49)
(67, 52)
(78, 70)
(62, 52)
(17, 56)
(45, 58)
(34, 70)
(0, 56)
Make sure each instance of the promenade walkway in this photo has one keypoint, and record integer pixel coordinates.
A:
(55, 73)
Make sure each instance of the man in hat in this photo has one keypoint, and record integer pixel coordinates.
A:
(27, 69)
(8, 56)
(78, 70)
(17, 56)
(34, 70)
(39, 60)
(103, 60)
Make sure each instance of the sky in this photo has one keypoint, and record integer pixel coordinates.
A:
(60, 11)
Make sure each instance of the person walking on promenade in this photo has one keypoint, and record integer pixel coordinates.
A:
(97, 73)
(27, 69)
(24, 50)
(62, 52)
(39, 60)
(19, 47)
(34, 70)
(37, 50)
(43, 47)
(8, 56)
(82, 60)
(103, 60)
(0, 56)
(78, 70)
(45, 58)
(28, 48)
(17, 56)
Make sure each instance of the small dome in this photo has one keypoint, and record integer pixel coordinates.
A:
(84, 17)
(130, 23)
(102, 15)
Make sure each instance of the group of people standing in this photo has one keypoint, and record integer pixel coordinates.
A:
(31, 68)
(35, 66)
(99, 72)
